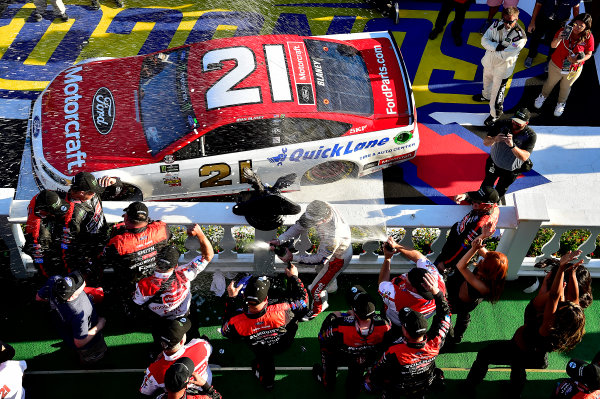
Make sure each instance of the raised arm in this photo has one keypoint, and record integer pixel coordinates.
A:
(557, 292)
(206, 248)
(470, 277)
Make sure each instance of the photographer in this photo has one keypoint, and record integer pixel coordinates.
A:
(512, 143)
(573, 46)
(268, 329)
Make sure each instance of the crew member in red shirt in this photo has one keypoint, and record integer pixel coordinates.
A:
(173, 337)
(408, 367)
(356, 338)
(267, 328)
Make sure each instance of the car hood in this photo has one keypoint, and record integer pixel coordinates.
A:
(89, 118)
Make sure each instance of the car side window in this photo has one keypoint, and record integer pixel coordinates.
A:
(263, 133)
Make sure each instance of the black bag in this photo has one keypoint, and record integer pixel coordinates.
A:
(527, 166)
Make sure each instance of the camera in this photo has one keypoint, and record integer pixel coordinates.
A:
(566, 32)
(505, 131)
(387, 246)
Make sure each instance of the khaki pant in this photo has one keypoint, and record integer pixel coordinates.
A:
(59, 7)
(566, 81)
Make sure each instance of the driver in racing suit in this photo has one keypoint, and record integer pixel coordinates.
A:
(332, 256)
(503, 41)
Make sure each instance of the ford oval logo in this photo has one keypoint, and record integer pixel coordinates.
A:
(36, 126)
(103, 110)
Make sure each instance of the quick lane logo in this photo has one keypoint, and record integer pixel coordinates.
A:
(71, 108)
(327, 152)
(103, 110)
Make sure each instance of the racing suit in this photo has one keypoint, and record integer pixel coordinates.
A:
(408, 368)
(132, 255)
(570, 389)
(502, 50)
(268, 332)
(61, 243)
(167, 296)
(462, 234)
(198, 350)
(342, 342)
(397, 295)
(332, 256)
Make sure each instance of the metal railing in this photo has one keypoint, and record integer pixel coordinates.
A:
(519, 225)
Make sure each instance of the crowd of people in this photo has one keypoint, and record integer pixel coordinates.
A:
(391, 352)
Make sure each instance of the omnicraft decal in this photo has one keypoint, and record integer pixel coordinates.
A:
(32, 53)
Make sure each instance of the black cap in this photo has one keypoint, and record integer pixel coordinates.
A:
(361, 302)
(167, 258)
(522, 116)
(257, 289)
(137, 212)
(587, 374)
(414, 322)
(65, 287)
(173, 331)
(178, 374)
(85, 181)
(49, 201)
(486, 195)
(315, 212)
(416, 279)
(7, 352)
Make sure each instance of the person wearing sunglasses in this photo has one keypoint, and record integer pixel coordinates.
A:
(503, 41)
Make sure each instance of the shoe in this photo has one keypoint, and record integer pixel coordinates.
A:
(480, 98)
(560, 108)
(528, 62)
(485, 26)
(490, 121)
(119, 3)
(64, 17)
(458, 41)
(37, 16)
(539, 101)
(95, 5)
(434, 33)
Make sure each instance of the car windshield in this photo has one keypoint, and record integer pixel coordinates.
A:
(164, 91)
(341, 78)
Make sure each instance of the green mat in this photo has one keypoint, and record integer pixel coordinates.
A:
(54, 373)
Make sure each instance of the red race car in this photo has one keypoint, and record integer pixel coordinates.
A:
(185, 122)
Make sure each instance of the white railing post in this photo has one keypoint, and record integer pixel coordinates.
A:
(531, 213)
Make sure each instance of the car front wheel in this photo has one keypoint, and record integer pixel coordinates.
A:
(328, 172)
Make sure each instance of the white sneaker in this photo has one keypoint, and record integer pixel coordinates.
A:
(539, 101)
(560, 108)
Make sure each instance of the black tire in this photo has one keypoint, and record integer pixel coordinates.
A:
(329, 172)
